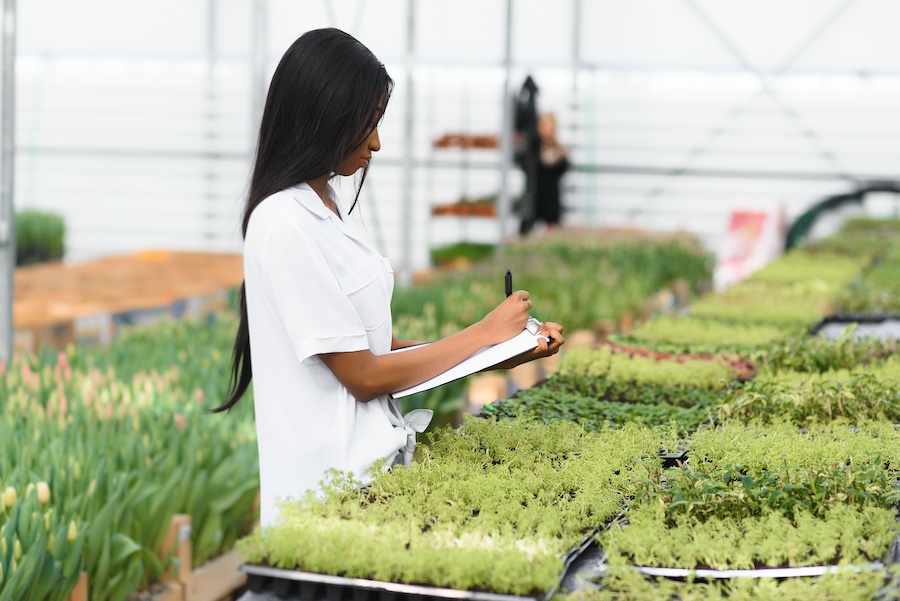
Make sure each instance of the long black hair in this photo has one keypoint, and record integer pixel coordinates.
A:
(325, 98)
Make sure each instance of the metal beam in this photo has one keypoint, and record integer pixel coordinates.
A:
(406, 227)
(576, 44)
(258, 66)
(769, 89)
(506, 142)
(766, 88)
(7, 188)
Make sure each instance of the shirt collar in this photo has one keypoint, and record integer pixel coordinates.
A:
(307, 197)
(310, 200)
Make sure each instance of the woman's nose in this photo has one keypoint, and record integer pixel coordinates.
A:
(374, 141)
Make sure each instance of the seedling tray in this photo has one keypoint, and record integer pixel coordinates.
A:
(598, 567)
(265, 582)
(867, 324)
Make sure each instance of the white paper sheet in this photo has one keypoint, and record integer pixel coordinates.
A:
(486, 357)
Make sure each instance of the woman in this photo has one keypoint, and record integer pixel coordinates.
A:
(315, 304)
(549, 163)
(553, 164)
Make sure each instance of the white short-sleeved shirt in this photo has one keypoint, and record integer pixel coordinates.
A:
(313, 286)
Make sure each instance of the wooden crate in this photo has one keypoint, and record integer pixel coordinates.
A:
(216, 579)
(178, 543)
(213, 581)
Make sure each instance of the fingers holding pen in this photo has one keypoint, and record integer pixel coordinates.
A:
(509, 318)
(524, 297)
(519, 304)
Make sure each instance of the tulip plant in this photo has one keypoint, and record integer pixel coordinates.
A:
(121, 456)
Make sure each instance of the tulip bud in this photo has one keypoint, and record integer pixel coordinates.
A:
(17, 550)
(3, 548)
(10, 497)
(50, 540)
(43, 492)
(73, 532)
(28, 489)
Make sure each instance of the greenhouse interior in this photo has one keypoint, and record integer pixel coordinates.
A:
(525, 281)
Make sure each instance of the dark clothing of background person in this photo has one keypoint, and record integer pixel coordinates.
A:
(544, 164)
(547, 197)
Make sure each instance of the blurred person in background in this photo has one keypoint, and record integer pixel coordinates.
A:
(543, 159)
(553, 163)
(315, 303)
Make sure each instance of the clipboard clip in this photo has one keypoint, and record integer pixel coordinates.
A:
(532, 326)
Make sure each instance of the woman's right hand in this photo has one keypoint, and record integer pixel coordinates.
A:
(509, 318)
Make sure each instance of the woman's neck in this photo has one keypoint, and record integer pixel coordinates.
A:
(320, 187)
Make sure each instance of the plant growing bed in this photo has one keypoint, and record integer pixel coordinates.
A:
(620, 363)
(687, 334)
(309, 586)
(860, 237)
(783, 293)
(618, 383)
(817, 354)
(867, 392)
(798, 304)
(588, 276)
(877, 291)
(741, 368)
(492, 508)
(843, 585)
(761, 502)
(597, 403)
(798, 265)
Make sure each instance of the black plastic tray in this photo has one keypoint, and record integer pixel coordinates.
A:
(598, 567)
(881, 325)
(264, 582)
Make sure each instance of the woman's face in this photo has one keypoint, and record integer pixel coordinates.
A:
(360, 157)
(547, 126)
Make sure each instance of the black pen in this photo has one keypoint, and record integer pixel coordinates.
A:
(531, 320)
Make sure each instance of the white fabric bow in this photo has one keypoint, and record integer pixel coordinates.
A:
(416, 420)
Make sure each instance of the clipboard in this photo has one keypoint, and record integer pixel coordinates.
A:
(480, 360)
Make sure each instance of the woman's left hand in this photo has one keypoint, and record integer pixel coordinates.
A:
(545, 348)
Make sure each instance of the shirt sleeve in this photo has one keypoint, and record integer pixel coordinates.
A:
(316, 313)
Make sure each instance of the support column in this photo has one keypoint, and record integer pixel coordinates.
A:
(7, 173)
(406, 227)
(506, 142)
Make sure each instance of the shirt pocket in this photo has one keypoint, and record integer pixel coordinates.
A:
(365, 290)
